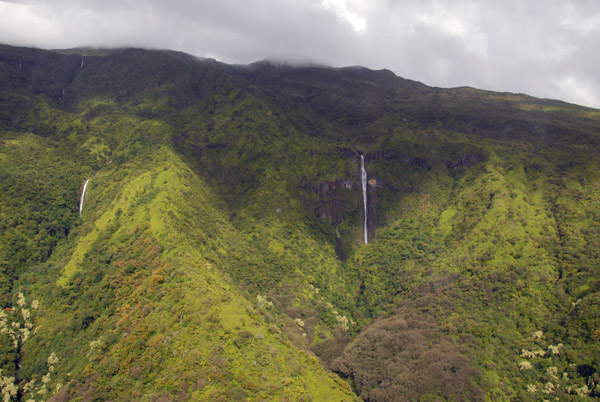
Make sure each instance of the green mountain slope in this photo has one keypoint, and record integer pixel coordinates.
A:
(152, 311)
(219, 254)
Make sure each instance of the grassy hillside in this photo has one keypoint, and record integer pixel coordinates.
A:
(219, 254)
(137, 296)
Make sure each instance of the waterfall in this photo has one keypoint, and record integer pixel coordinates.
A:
(363, 177)
(81, 67)
(82, 196)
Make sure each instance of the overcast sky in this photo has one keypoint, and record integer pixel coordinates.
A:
(545, 48)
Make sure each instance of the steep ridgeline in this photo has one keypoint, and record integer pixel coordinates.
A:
(232, 246)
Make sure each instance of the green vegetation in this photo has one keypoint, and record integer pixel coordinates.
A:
(219, 254)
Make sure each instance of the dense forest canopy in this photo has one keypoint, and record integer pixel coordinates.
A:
(220, 251)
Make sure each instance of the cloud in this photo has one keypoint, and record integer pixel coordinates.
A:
(545, 48)
(344, 10)
(581, 90)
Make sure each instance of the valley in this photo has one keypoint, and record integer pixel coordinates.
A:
(271, 232)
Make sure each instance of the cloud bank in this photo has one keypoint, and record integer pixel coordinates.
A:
(545, 48)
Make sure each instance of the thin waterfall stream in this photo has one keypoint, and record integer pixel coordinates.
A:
(82, 196)
(363, 177)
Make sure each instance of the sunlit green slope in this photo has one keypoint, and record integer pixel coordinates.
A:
(219, 254)
(137, 304)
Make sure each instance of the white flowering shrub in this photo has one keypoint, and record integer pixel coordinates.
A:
(538, 335)
(555, 350)
(16, 324)
(525, 365)
(532, 389)
(263, 302)
(553, 378)
(341, 319)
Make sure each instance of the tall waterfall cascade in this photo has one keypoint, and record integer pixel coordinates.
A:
(82, 196)
(363, 178)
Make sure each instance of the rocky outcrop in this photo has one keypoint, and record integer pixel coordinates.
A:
(417, 162)
(347, 153)
(464, 161)
(385, 155)
(332, 200)
(421, 163)
(331, 205)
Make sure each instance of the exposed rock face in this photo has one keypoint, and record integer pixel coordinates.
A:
(331, 203)
(347, 153)
(386, 155)
(465, 161)
(372, 206)
(335, 198)
(418, 162)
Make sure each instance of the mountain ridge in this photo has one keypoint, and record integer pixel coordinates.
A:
(219, 253)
